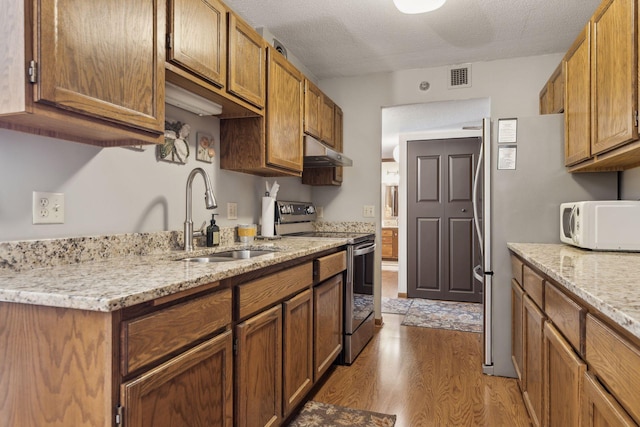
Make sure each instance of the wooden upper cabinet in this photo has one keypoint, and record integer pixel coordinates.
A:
(614, 87)
(96, 74)
(552, 94)
(197, 34)
(577, 107)
(284, 114)
(312, 108)
(327, 118)
(247, 62)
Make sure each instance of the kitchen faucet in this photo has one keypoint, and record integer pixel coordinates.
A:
(210, 202)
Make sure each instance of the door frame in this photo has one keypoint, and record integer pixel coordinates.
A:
(402, 208)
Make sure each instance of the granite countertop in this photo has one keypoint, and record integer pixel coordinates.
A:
(117, 282)
(609, 281)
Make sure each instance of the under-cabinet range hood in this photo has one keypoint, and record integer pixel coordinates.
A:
(318, 155)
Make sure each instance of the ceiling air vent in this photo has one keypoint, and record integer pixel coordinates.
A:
(459, 76)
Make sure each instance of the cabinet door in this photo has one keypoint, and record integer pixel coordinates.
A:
(297, 349)
(563, 375)
(557, 85)
(312, 102)
(259, 370)
(247, 62)
(599, 408)
(327, 118)
(577, 108)
(93, 56)
(192, 389)
(198, 34)
(284, 113)
(532, 327)
(614, 86)
(517, 343)
(327, 325)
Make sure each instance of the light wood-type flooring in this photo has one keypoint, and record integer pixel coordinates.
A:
(427, 377)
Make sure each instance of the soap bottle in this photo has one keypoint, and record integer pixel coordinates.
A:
(213, 233)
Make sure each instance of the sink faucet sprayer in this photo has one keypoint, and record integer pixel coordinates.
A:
(210, 201)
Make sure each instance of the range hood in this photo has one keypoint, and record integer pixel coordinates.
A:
(318, 155)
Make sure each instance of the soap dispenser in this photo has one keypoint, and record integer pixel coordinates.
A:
(213, 233)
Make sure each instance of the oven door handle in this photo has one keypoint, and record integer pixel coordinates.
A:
(363, 250)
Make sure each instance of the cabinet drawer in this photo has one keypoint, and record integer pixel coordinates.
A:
(260, 293)
(565, 314)
(533, 285)
(329, 265)
(158, 334)
(616, 362)
(387, 232)
(516, 268)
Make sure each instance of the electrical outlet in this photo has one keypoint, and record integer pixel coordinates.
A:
(319, 212)
(368, 211)
(232, 210)
(48, 208)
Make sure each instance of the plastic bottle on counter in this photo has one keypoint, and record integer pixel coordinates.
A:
(213, 233)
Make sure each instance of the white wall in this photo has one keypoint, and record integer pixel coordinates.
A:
(117, 190)
(513, 86)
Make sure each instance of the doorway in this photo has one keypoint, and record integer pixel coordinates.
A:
(442, 244)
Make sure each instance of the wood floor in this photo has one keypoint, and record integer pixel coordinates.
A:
(427, 377)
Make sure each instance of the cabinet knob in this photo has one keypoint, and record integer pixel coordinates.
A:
(463, 210)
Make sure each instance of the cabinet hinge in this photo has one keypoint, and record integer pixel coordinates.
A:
(119, 415)
(235, 346)
(169, 41)
(33, 71)
(636, 117)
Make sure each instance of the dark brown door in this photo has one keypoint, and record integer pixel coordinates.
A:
(442, 244)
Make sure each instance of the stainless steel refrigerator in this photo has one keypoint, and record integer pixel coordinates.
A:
(521, 204)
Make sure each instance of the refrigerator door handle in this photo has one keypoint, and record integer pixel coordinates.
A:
(476, 221)
(478, 274)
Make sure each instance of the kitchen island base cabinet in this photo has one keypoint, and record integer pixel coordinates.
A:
(259, 370)
(193, 389)
(517, 295)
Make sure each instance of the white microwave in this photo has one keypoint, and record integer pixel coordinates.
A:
(601, 225)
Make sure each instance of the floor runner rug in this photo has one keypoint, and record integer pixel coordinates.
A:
(316, 414)
(396, 305)
(458, 316)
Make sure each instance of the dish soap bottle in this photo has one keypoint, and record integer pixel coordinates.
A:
(213, 233)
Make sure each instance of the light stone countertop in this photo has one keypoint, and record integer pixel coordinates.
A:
(609, 281)
(114, 283)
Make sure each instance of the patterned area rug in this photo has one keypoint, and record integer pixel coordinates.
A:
(316, 414)
(459, 316)
(396, 305)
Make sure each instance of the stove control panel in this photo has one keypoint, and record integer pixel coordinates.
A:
(287, 212)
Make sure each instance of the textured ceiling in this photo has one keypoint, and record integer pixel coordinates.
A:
(339, 38)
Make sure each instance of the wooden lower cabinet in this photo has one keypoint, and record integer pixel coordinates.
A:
(297, 351)
(390, 243)
(563, 376)
(327, 323)
(194, 388)
(533, 326)
(599, 408)
(258, 384)
(517, 342)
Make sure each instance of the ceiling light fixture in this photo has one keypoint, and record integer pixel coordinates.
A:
(417, 6)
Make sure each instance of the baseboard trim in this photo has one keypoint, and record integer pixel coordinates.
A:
(379, 322)
(402, 295)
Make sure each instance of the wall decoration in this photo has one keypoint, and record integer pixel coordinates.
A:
(204, 147)
(176, 146)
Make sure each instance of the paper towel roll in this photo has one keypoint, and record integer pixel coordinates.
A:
(268, 213)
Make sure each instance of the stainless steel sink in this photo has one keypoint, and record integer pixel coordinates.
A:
(229, 255)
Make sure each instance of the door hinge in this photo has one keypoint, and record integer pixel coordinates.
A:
(33, 71)
(119, 415)
(169, 41)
